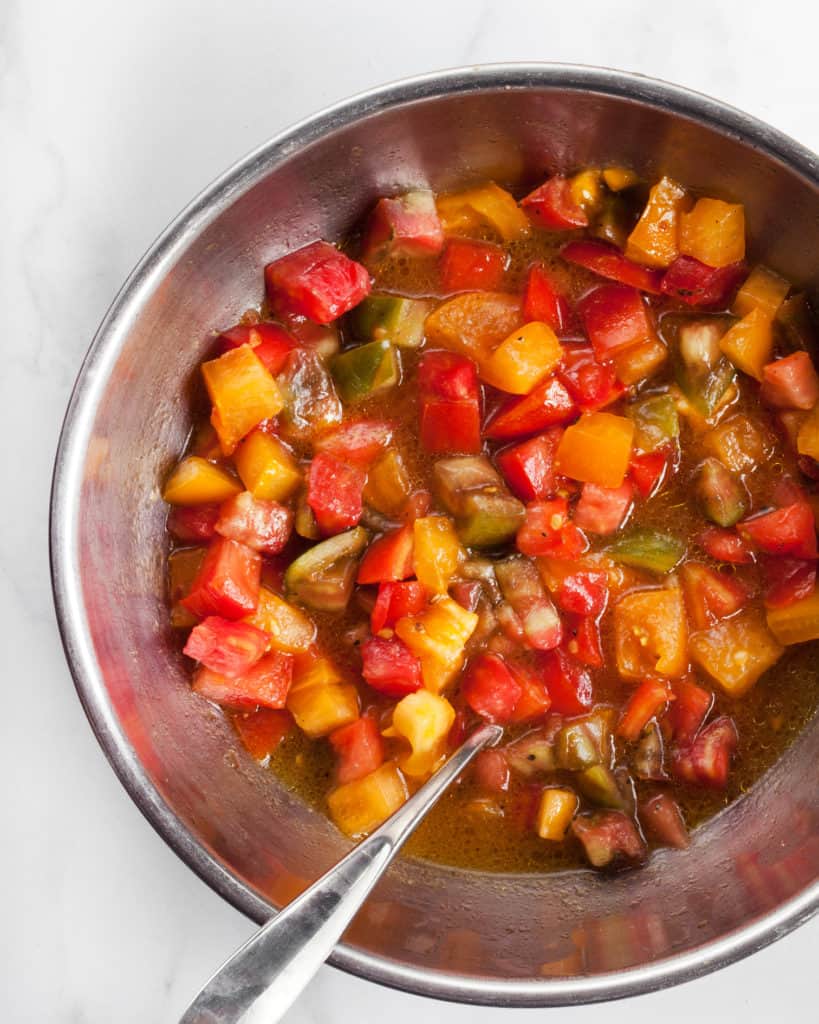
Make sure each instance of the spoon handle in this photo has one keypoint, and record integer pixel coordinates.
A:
(263, 978)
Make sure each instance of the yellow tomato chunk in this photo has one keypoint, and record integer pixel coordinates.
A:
(266, 467)
(474, 323)
(196, 481)
(319, 710)
(738, 443)
(714, 232)
(640, 362)
(289, 629)
(485, 205)
(596, 449)
(655, 238)
(736, 651)
(618, 178)
(763, 290)
(555, 813)
(437, 552)
(522, 360)
(243, 394)
(587, 191)
(749, 343)
(650, 634)
(437, 637)
(359, 807)
(797, 622)
(388, 484)
(423, 719)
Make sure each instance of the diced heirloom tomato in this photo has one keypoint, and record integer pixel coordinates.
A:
(529, 467)
(569, 684)
(646, 470)
(603, 510)
(359, 749)
(697, 284)
(647, 700)
(227, 647)
(662, 820)
(735, 652)
(549, 531)
(547, 405)
(724, 546)
(243, 394)
(615, 317)
(543, 301)
(591, 384)
(596, 449)
(553, 206)
(405, 224)
(710, 595)
(708, 759)
(484, 206)
(522, 360)
(787, 531)
(388, 558)
(714, 232)
(688, 711)
(266, 683)
(334, 490)
(270, 342)
(360, 806)
(607, 261)
(655, 238)
(262, 525)
(467, 265)
(318, 282)
(359, 441)
(193, 523)
(791, 382)
(584, 593)
(394, 601)
(449, 399)
(262, 730)
(787, 580)
(228, 582)
(491, 689)
(651, 632)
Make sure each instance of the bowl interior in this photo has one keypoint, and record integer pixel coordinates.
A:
(510, 939)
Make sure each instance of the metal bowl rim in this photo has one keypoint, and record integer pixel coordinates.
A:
(68, 474)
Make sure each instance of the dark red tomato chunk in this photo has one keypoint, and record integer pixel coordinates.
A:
(262, 525)
(491, 771)
(707, 760)
(318, 282)
(568, 683)
(689, 710)
(193, 523)
(697, 284)
(529, 467)
(406, 224)
(534, 701)
(616, 318)
(786, 580)
(449, 400)
(394, 601)
(389, 558)
(359, 749)
(334, 493)
(591, 384)
(468, 266)
(390, 667)
(584, 593)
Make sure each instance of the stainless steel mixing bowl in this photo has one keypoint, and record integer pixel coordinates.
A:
(750, 875)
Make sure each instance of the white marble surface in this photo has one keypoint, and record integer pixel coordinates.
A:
(112, 116)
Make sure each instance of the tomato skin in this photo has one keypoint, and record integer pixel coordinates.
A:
(552, 206)
(262, 730)
(193, 523)
(491, 771)
(786, 580)
(490, 689)
(707, 760)
(615, 317)
(318, 282)
(786, 531)
(357, 441)
(549, 404)
(608, 261)
(394, 601)
(529, 467)
(262, 525)
(547, 530)
(266, 684)
(449, 399)
(227, 583)
(271, 343)
(602, 510)
(543, 302)
(584, 593)
(359, 748)
(724, 545)
(334, 490)
(389, 558)
(228, 647)
(592, 384)
(697, 284)
(568, 683)
(468, 266)
(390, 667)
(647, 471)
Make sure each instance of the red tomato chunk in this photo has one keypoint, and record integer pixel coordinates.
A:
(334, 490)
(318, 282)
(359, 748)
(390, 667)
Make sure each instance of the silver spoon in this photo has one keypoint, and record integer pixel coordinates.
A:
(263, 978)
